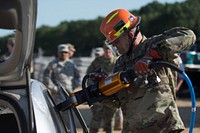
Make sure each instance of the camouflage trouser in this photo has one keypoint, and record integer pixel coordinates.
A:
(103, 114)
(155, 112)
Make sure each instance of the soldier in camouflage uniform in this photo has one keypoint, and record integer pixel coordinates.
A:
(148, 105)
(10, 46)
(63, 70)
(100, 112)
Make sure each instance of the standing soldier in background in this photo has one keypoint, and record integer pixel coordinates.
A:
(10, 46)
(100, 112)
(98, 51)
(63, 70)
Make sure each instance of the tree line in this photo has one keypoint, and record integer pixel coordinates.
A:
(85, 34)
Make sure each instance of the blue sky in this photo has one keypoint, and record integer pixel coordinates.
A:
(52, 12)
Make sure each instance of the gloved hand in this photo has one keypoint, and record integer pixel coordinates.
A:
(141, 67)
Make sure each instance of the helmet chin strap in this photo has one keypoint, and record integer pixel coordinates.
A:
(132, 41)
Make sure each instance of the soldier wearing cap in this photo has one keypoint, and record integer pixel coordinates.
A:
(101, 112)
(99, 51)
(62, 69)
(10, 45)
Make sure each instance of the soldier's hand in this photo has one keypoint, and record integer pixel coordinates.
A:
(141, 67)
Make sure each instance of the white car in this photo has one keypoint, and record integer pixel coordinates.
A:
(191, 57)
(26, 106)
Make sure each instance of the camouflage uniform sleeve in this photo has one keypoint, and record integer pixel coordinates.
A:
(174, 41)
(76, 79)
(47, 78)
(92, 66)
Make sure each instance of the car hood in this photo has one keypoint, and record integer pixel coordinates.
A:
(19, 15)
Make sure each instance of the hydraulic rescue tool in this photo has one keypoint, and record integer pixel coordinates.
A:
(98, 91)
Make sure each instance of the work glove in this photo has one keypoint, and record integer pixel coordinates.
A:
(141, 67)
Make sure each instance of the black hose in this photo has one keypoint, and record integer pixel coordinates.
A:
(165, 64)
(85, 78)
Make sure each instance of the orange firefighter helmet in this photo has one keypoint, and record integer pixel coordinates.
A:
(116, 22)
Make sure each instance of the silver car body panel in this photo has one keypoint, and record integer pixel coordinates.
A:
(44, 120)
(20, 16)
(25, 104)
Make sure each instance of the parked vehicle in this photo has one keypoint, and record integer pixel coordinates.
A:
(191, 61)
(26, 106)
(191, 57)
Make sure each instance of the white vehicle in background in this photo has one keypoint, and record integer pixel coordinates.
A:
(191, 61)
(26, 106)
(191, 57)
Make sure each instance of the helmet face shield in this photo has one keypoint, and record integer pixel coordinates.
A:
(121, 45)
(112, 48)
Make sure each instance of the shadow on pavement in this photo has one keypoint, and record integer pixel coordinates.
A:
(185, 113)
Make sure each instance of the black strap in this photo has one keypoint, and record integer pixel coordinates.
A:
(132, 41)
